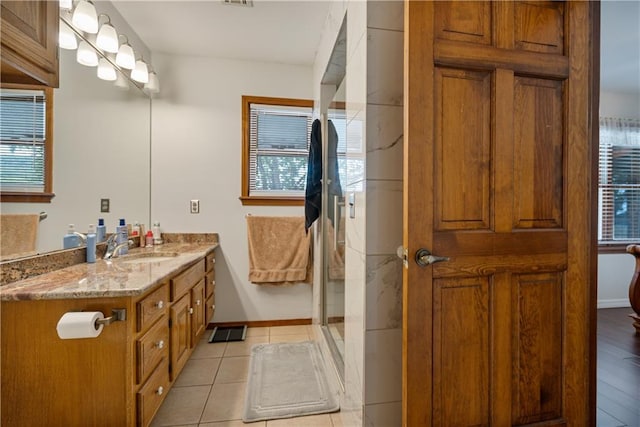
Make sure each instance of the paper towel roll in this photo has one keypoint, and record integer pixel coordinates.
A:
(79, 324)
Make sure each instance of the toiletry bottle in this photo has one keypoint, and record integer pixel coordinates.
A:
(143, 236)
(149, 238)
(101, 231)
(122, 236)
(71, 239)
(135, 230)
(91, 244)
(157, 236)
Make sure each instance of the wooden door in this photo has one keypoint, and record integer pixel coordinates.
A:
(499, 178)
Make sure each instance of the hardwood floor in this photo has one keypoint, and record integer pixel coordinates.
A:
(618, 369)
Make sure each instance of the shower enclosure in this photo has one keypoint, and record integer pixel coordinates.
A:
(334, 143)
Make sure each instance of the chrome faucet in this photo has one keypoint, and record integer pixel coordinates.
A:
(113, 248)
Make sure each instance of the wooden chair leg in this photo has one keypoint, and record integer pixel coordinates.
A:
(634, 287)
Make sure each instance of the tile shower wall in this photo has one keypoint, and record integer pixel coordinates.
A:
(373, 276)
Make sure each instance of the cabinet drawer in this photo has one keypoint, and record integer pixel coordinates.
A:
(185, 280)
(151, 395)
(152, 307)
(210, 261)
(210, 283)
(152, 348)
(210, 308)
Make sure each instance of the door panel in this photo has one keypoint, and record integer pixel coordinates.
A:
(497, 179)
(463, 152)
(538, 158)
(540, 26)
(461, 357)
(538, 350)
(468, 21)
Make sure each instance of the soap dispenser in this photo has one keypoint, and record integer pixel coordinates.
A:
(122, 236)
(71, 239)
(91, 244)
(101, 231)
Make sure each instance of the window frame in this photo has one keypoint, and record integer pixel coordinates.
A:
(48, 194)
(609, 246)
(245, 196)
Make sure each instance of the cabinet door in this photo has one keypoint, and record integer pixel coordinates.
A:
(198, 323)
(180, 335)
(29, 34)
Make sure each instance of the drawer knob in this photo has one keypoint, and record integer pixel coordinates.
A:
(213, 260)
(160, 344)
(213, 307)
(213, 282)
(191, 310)
(198, 302)
(160, 391)
(160, 304)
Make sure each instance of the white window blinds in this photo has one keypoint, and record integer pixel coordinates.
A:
(22, 140)
(279, 146)
(619, 180)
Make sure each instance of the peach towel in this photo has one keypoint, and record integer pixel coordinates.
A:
(278, 249)
(18, 233)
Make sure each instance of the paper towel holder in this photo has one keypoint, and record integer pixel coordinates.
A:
(117, 315)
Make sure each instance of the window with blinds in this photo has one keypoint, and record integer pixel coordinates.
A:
(276, 145)
(22, 140)
(619, 180)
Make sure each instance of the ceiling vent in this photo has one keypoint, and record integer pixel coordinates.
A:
(245, 3)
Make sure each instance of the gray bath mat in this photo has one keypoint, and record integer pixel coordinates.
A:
(287, 380)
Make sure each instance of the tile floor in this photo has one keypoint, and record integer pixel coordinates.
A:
(210, 390)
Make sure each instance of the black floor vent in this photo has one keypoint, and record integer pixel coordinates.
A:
(232, 333)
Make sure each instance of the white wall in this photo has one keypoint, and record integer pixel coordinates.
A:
(196, 154)
(615, 270)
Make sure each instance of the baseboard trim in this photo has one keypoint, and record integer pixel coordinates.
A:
(261, 323)
(614, 303)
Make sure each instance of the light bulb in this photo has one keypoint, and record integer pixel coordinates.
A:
(107, 38)
(66, 37)
(140, 72)
(125, 57)
(106, 70)
(121, 82)
(85, 17)
(153, 85)
(86, 55)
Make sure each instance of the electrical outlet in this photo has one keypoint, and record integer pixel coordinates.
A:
(104, 205)
(195, 206)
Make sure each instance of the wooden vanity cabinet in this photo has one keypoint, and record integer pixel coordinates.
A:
(119, 378)
(29, 39)
(210, 286)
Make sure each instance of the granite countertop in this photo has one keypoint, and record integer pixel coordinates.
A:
(119, 277)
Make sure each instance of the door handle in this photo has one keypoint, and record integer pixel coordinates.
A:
(424, 258)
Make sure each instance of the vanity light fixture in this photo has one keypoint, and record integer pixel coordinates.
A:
(86, 55)
(121, 81)
(66, 4)
(106, 70)
(85, 17)
(107, 38)
(140, 73)
(153, 85)
(125, 57)
(66, 37)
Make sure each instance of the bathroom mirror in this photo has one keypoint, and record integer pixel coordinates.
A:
(101, 150)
